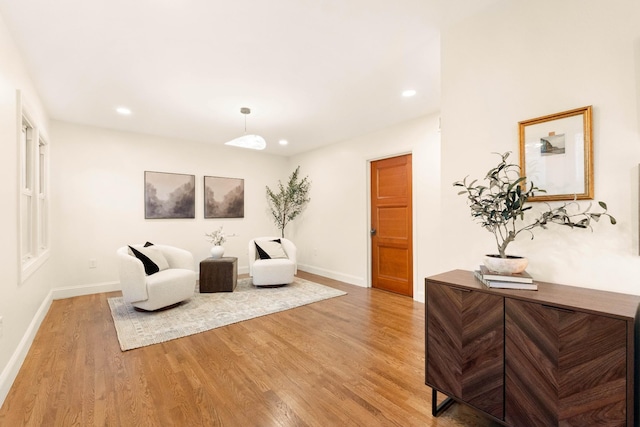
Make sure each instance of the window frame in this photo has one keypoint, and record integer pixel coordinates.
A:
(33, 193)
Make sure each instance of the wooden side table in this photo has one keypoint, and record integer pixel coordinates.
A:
(218, 274)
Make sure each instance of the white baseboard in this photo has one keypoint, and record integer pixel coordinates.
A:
(418, 294)
(353, 280)
(76, 291)
(10, 372)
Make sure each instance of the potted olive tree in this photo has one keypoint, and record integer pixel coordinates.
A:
(499, 205)
(287, 203)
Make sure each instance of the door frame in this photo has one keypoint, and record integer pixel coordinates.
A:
(413, 220)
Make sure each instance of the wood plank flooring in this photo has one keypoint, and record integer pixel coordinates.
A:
(355, 360)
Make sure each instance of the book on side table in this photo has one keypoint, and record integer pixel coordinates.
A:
(493, 279)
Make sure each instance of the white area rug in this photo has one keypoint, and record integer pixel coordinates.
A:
(203, 312)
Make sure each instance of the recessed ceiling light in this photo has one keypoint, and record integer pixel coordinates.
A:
(408, 93)
(283, 142)
(123, 110)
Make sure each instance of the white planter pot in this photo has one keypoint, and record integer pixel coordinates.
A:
(217, 251)
(510, 265)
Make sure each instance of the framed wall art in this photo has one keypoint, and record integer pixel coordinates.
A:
(223, 197)
(169, 195)
(556, 154)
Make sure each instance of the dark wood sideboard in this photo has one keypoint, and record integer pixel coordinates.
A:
(561, 355)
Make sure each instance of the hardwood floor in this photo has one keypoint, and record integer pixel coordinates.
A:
(355, 360)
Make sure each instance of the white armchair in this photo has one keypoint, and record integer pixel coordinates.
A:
(175, 282)
(281, 266)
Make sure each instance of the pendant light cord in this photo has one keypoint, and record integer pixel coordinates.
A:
(245, 111)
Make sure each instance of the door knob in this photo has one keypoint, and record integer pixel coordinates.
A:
(373, 231)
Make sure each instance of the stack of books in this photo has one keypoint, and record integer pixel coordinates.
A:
(494, 279)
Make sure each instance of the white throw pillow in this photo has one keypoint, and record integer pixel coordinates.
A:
(268, 249)
(153, 255)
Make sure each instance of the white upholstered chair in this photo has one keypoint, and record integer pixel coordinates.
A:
(279, 269)
(174, 282)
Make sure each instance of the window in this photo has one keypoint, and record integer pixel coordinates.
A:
(34, 196)
(26, 192)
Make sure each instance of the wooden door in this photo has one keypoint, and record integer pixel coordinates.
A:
(391, 225)
(563, 367)
(465, 346)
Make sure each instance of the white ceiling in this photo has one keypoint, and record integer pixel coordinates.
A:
(314, 72)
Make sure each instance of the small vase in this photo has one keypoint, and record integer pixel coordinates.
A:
(217, 251)
(509, 265)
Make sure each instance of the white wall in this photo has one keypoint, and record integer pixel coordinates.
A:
(521, 60)
(18, 301)
(333, 232)
(97, 204)
(98, 201)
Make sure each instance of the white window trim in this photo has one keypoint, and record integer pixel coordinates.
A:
(39, 229)
(43, 194)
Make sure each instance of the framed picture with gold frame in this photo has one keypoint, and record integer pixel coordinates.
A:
(556, 155)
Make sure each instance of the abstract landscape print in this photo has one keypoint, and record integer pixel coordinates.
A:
(223, 197)
(169, 195)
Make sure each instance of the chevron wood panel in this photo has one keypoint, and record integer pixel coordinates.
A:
(530, 368)
(444, 339)
(563, 367)
(592, 372)
(483, 352)
(465, 346)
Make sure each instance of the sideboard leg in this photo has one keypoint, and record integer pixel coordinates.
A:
(435, 408)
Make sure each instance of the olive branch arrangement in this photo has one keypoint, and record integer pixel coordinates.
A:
(500, 204)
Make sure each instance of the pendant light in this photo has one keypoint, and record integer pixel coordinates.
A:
(254, 142)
